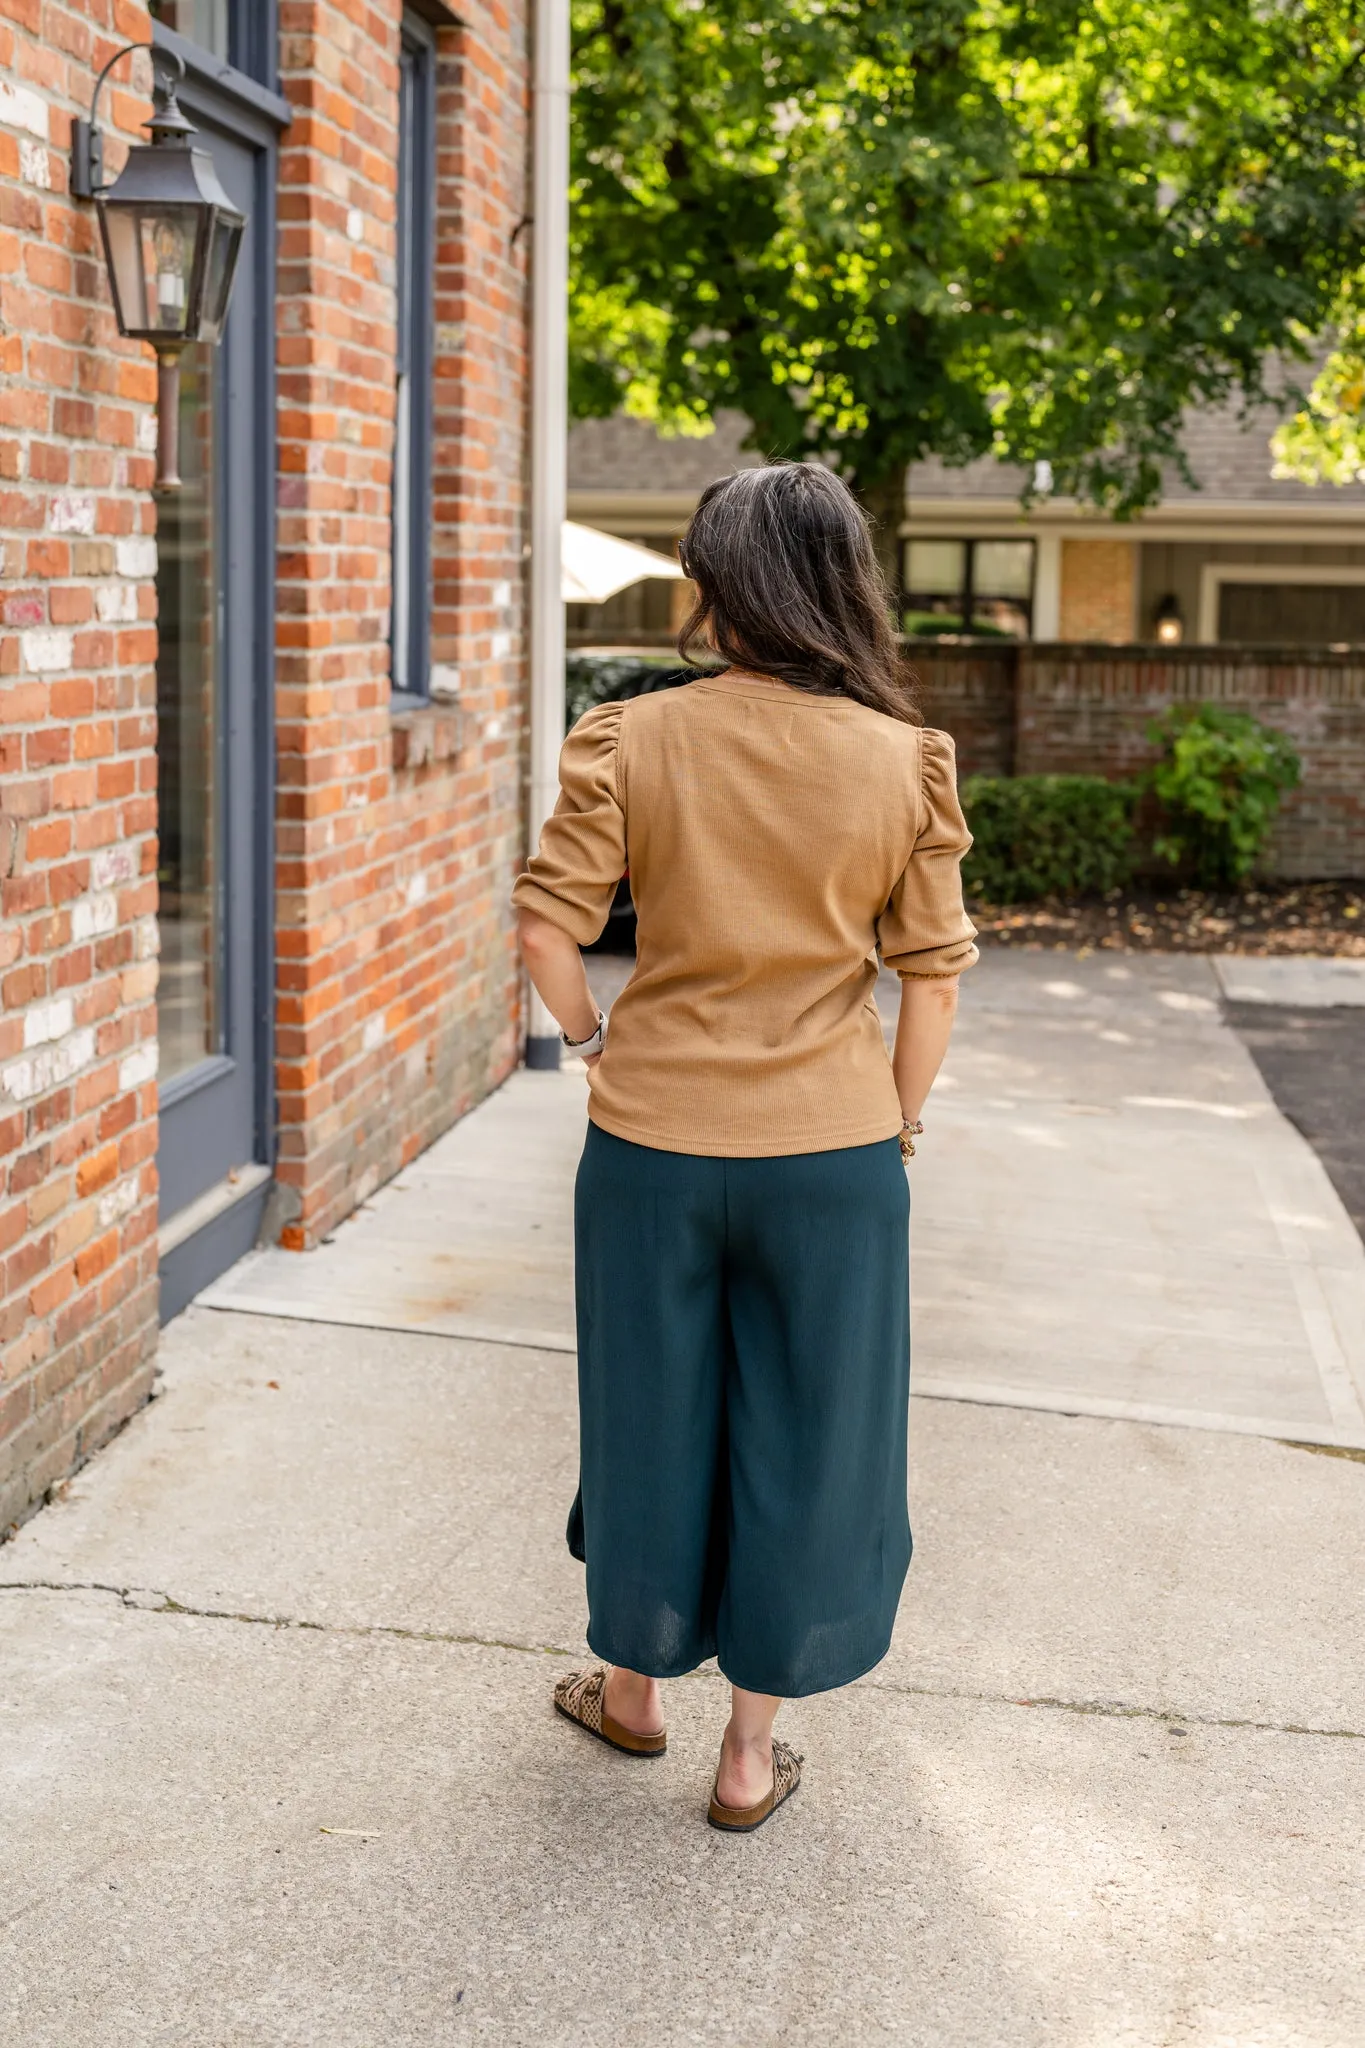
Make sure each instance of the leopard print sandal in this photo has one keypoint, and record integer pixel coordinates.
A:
(742, 1820)
(582, 1697)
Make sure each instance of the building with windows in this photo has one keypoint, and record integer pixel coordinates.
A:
(1047, 638)
(1245, 558)
(261, 738)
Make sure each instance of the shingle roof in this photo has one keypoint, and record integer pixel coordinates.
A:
(628, 455)
(1229, 456)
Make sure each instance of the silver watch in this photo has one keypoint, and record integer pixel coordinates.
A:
(587, 1048)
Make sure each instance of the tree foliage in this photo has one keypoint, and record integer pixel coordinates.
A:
(1038, 229)
(1324, 442)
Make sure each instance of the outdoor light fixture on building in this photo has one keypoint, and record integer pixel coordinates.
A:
(171, 239)
(1170, 626)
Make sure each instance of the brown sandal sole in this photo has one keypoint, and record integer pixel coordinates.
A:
(619, 1738)
(742, 1820)
(738, 1820)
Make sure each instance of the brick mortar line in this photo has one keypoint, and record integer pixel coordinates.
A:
(128, 1597)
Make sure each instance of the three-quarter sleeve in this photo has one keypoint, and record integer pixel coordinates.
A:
(924, 929)
(571, 879)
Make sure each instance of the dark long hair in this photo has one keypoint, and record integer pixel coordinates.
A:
(788, 586)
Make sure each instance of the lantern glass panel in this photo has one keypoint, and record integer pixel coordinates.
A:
(220, 269)
(154, 256)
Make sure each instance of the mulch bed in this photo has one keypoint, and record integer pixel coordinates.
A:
(1304, 917)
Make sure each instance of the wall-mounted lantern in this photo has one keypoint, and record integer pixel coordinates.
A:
(171, 239)
(1170, 626)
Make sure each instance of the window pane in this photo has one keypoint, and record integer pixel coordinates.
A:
(401, 617)
(407, 106)
(935, 568)
(188, 1001)
(204, 21)
(410, 617)
(401, 626)
(1003, 568)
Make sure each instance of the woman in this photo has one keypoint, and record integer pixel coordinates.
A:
(741, 1208)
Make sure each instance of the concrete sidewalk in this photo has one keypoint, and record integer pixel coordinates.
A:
(1111, 1217)
(278, 1764)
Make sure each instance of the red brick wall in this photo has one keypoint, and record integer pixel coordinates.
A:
(969, 692)
(397, 1001)
(77, 778)
(398, 988)
(1052, 710)
(1087, 709)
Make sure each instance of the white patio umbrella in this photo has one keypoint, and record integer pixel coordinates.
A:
(595, 565)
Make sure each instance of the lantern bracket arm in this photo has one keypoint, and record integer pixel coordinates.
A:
(87, 143)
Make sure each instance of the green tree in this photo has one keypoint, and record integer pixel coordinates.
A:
(881, 229)
(1324, 441)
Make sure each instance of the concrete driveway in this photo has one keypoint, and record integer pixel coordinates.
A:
(277, 1758)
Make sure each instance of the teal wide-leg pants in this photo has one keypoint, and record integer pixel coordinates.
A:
(744, 1378)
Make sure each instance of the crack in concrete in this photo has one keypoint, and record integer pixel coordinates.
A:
(150, 1600)
(1114, 1710)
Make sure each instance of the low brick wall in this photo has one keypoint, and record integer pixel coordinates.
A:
(1084, 709)
(969, 691)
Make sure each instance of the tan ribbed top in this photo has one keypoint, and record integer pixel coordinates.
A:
(774, 840)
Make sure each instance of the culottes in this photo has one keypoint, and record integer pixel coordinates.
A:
(744, 1379)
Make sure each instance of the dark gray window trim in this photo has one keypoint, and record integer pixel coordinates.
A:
(259, 116)
(255, 41)
(250, 95)
(415, 365)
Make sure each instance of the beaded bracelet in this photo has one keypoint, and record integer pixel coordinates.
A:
(909, 1133)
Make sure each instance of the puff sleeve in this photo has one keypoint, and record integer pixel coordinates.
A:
(572, 877)
(924, 929)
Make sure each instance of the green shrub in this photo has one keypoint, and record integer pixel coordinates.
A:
(1047, 835)
(1219, 784)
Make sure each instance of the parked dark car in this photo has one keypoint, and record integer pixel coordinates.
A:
(609, 679)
